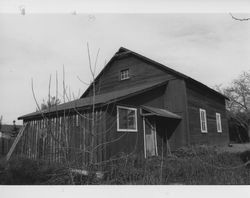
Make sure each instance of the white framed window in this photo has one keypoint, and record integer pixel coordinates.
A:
(124, 74)
(218, 122)
(126, 119)
(203, 120)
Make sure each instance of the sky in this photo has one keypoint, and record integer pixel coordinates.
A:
(211, 48)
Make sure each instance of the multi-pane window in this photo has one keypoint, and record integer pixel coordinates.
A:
(124, 74)
(218, 122)
(203, 120)
(126, 119)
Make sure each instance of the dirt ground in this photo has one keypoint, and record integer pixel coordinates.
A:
(235, 148)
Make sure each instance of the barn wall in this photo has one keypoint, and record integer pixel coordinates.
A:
(133, 142)
(200, 98)
(175, 100)
(64, 138)
(140, 71)
(128, 143)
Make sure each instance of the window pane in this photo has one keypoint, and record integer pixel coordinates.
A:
(122, 118)
(203, 126)
(124, 74)
(203, 121)
(218, 122)
(127, 119)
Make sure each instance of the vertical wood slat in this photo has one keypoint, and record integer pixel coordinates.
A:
(37, 138)
(70, 138)
(88, 134)
(104, 136)
(95, 137)
(50, 139)
(26, 141)
(83, 138)
(55, 142)
(65, 137)
(80, 138)
(77, 137)
(31, 140)
(68, 120)
(73, 143)
(60, 133)
(54, 139)
(98, 136)
(34, 139)
(45, 140)
(57, 137)
(76, 140)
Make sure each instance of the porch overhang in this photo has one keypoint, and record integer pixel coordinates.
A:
(153, 111)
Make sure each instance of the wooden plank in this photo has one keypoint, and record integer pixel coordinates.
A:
(84, 137)
(16, 141)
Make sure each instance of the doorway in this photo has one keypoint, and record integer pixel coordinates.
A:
(150, 141)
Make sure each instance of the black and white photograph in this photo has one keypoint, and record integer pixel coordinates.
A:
(123, 98)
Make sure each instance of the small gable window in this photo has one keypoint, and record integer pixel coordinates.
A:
(124, 74)
(218, 122)
(203, 120)
(126, 119)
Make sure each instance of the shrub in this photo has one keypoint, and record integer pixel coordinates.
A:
(196, 165)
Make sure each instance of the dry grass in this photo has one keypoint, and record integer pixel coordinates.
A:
(198, 165)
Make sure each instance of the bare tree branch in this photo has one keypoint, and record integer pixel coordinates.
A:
(239, 19)
(83, 81)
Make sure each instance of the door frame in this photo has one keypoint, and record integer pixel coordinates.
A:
(144, 137)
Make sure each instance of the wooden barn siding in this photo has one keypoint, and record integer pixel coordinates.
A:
(65, 139)
(140, 72)
(122, 142)
(175, 100)
(198, 98)
(132, 142)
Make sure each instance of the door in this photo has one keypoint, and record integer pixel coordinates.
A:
(150, 142)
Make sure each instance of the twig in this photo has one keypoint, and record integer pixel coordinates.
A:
(239, 19)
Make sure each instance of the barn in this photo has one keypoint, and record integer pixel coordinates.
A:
(136, 106)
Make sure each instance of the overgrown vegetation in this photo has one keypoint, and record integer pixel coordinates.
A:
(199, 165)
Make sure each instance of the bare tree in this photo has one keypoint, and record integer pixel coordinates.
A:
(239, 94)
(53, 101)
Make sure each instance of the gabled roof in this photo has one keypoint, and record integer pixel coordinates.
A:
(101, 99)
(124, 52)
